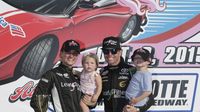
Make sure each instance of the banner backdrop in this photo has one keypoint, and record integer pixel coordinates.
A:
(30, 39)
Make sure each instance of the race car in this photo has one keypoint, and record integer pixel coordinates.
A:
(32, 32)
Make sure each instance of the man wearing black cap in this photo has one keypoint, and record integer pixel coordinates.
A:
(115, 76)
(60, 83)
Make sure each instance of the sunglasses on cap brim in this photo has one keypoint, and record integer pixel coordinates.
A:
(112, 51)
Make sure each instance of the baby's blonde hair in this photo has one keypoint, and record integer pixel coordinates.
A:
(91, 55)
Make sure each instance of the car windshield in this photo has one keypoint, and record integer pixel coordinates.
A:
(45, 6)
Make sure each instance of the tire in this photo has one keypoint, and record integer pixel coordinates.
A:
(132, 27)
(38, 58)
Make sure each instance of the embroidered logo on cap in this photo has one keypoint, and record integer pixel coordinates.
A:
(111, 42)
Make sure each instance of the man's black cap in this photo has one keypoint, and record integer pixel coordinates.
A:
(71, 45)
(111, 43)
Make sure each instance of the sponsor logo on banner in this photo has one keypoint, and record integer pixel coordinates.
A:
(23, 93)
(174, 91)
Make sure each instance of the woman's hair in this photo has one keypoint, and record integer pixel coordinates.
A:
(91, 55)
